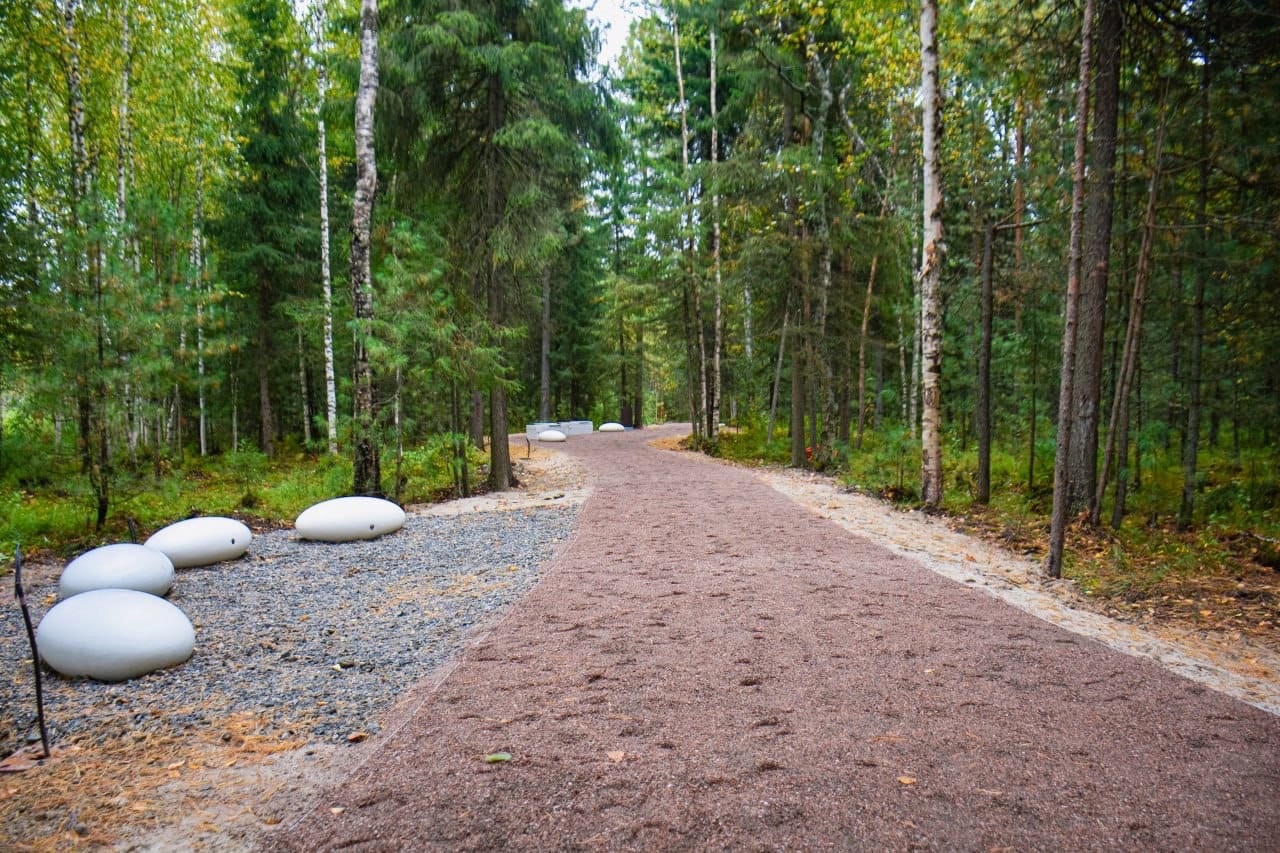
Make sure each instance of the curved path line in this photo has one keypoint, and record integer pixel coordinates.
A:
(706, 665)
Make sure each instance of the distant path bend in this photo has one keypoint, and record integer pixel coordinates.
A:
(706, 665)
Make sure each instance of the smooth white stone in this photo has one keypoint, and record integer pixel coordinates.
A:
(119, 566)
(551, 435)
(611, 427)
(114, 634)
(348, 519)
(202, 541)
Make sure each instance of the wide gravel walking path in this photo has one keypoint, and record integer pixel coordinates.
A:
(705, 665)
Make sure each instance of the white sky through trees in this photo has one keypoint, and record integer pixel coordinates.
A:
(612, 18)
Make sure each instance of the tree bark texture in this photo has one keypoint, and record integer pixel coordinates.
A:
(1061, 469)
(367, 479)
(982, 413)
(862, 351)
(544, 361)
(1191, 436)
(713, 422)
(1099, 204)
(326, 277)
(931, 265)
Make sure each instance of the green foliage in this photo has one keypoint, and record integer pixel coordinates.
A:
(244, 484)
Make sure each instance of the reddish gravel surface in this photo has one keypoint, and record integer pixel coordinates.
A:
(708, 666)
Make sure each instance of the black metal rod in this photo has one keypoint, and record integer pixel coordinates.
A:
(31, 638)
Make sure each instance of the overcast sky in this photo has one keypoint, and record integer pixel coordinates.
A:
(613, 17)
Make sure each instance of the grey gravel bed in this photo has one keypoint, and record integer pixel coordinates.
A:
(318, 640)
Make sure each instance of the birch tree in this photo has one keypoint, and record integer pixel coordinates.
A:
(326, 279)
(931, 264)
(367, 476)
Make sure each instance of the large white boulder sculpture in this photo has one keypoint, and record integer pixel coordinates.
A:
(611, 427)
(201, 541)
(114, 634)
(348, 519)
(552, 435)
(119, 566)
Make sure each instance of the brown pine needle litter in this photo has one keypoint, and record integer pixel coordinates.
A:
(98, 789)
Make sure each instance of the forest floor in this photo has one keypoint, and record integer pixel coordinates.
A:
(219, 796)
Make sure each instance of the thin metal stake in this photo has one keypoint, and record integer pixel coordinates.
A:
(31, 638)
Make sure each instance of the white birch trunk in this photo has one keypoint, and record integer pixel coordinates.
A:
(931, 264)
(326, 278)
(197, 271)
(366, 473)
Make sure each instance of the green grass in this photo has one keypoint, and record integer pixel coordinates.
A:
(55, 511)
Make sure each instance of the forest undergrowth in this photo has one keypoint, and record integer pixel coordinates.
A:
(47, 508)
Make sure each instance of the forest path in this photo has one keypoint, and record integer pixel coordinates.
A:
(707, 665)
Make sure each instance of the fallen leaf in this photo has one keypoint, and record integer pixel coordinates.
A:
(887, 738)
(175, 765)
(616, 755)
(337, 810)
(907, 780)
(356, 737)
(497, 757)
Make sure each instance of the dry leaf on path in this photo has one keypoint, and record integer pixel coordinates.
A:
(907, 780)
(616, 755)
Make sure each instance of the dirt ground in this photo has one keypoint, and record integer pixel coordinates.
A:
(586, 687)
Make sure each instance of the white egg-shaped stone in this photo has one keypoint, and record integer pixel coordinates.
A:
(114, 634)
(119, 566)
(201, 541)
(551, 435)
(611, 427)
(348, 519)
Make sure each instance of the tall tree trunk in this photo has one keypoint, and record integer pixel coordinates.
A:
(904, 381)
(302, 388)
(693, 293)
(500, 476)
(367, 479)
(477, 419)
(544, 372)
(982, 415)
(777, 372)
(266, 415)
(931, 264)
(1061, 470)
(862, 351)
(1191, 437)
(827, 415)
(85, 290)
(1132, 341)
(326, 277)
(1099, 204)
(197, 269)
(713, 424)
(798, 456)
